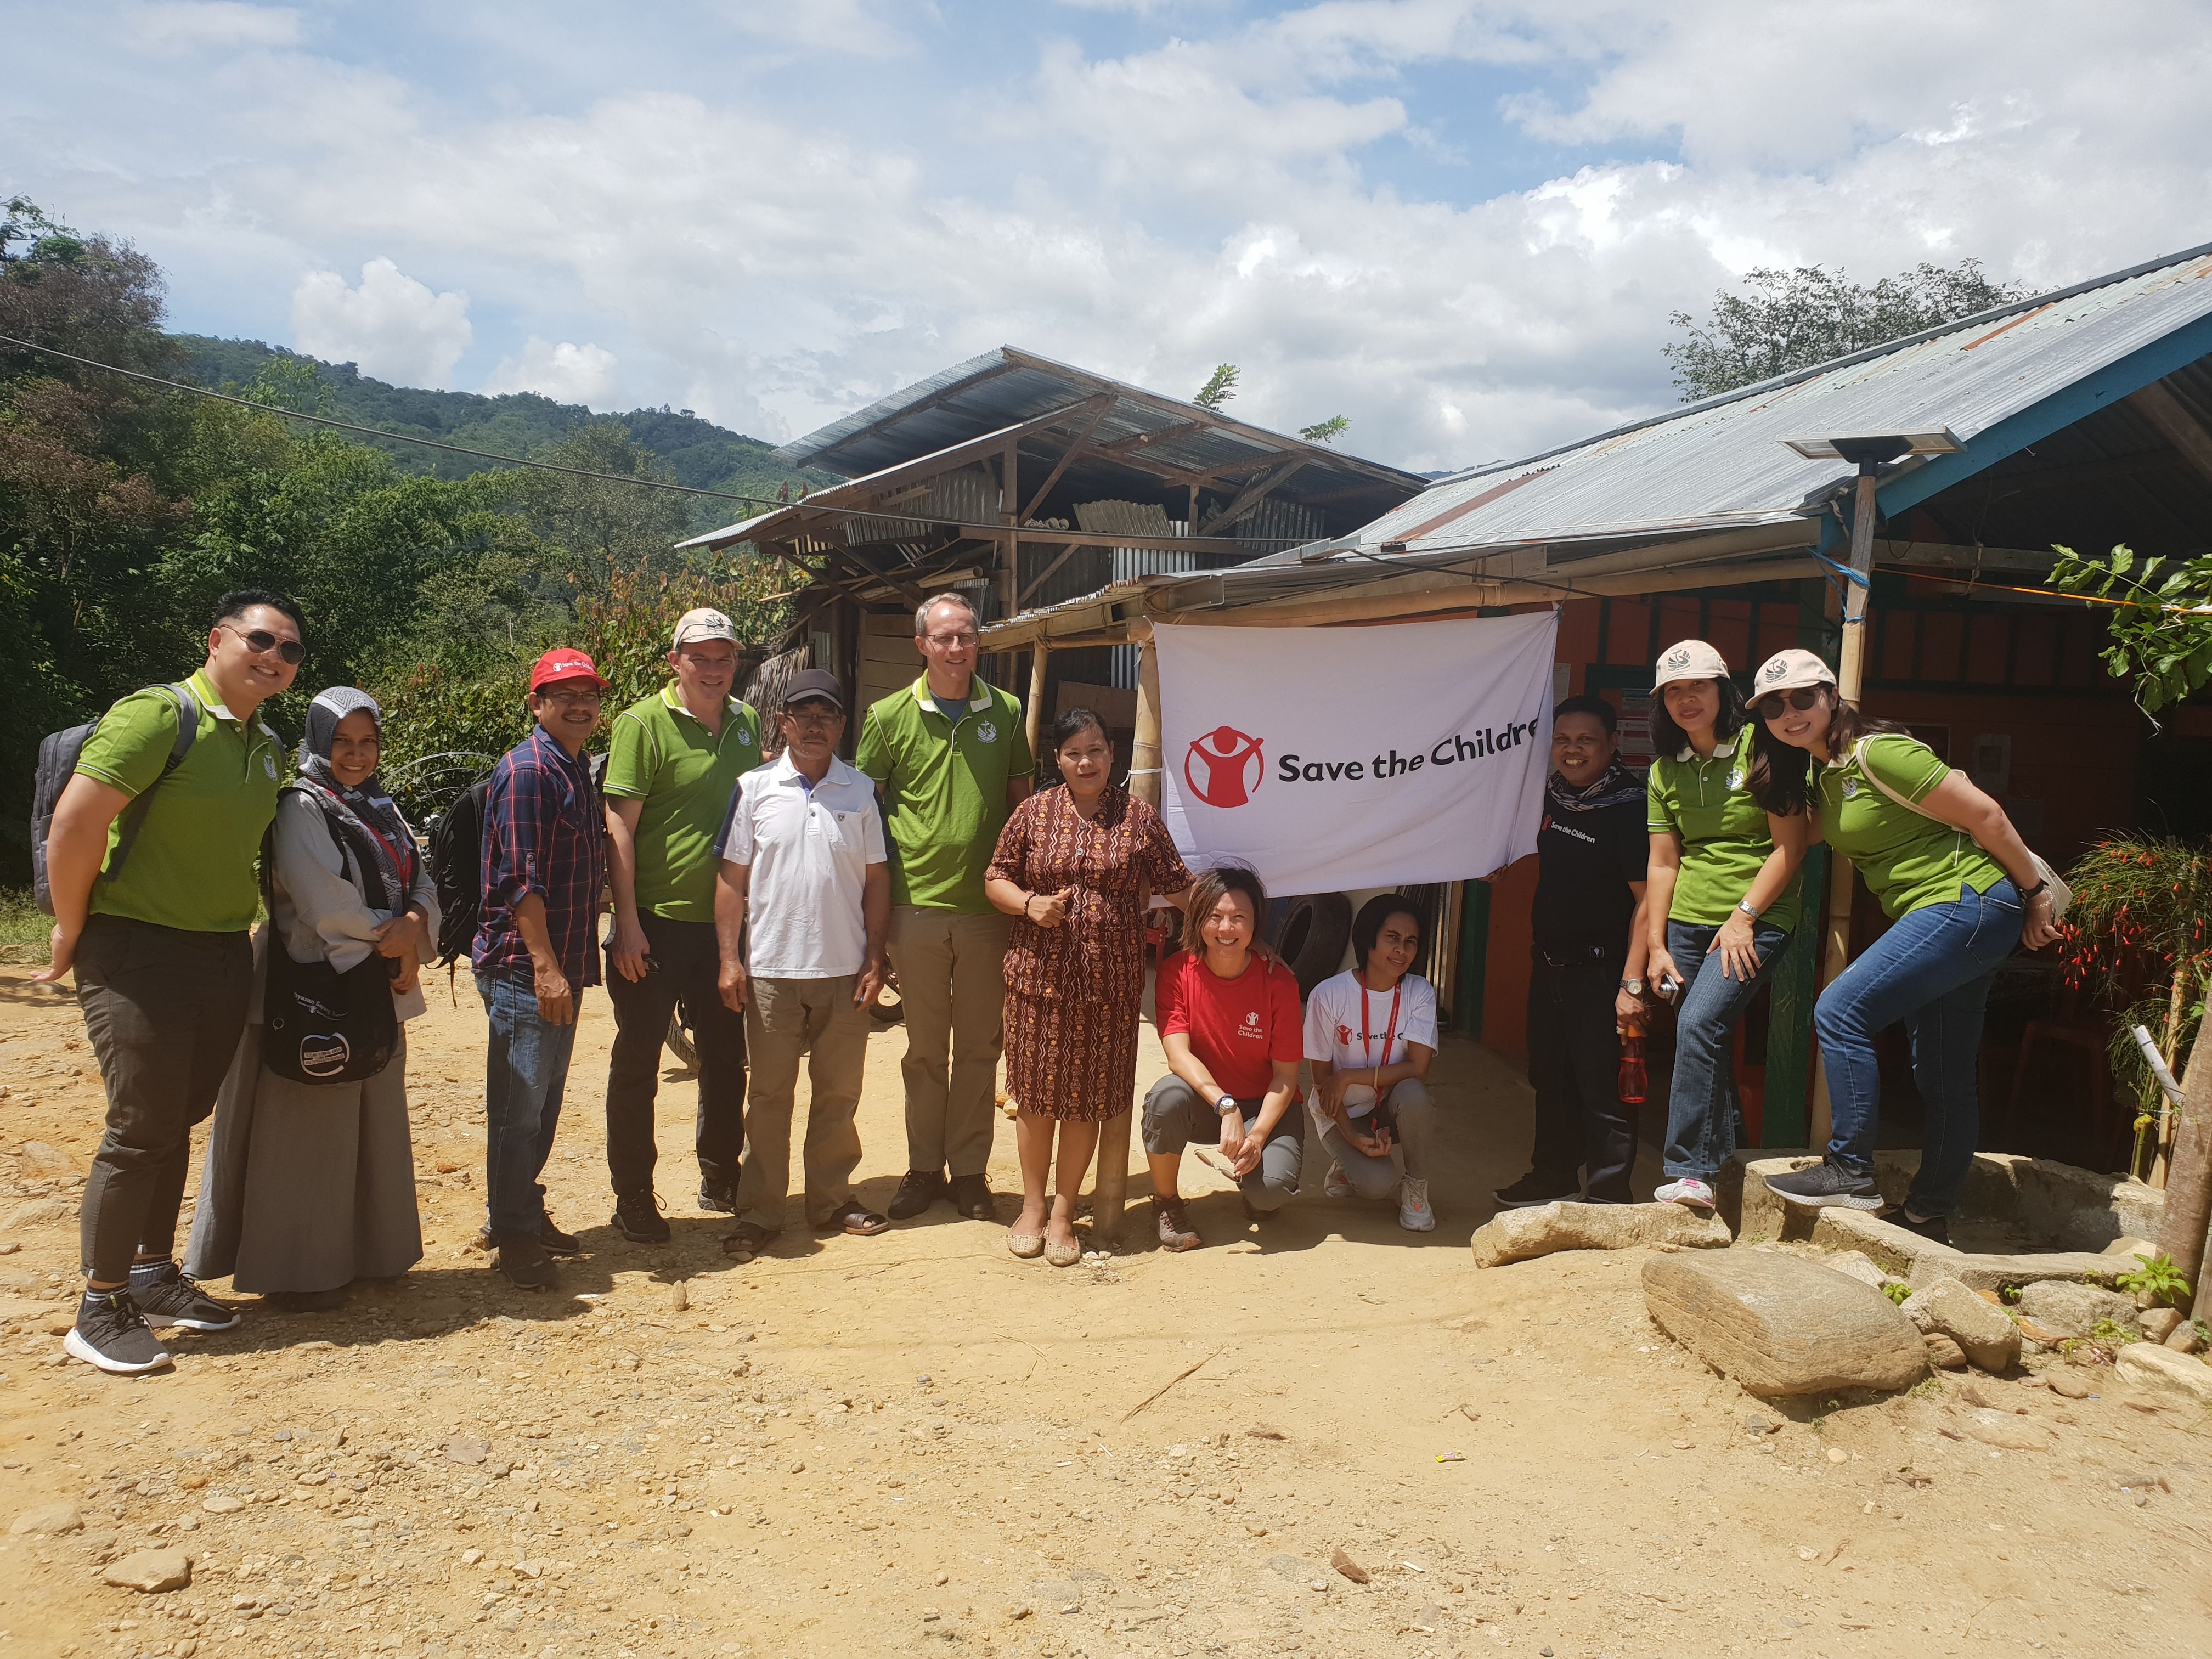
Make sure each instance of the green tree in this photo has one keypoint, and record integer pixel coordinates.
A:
(1793, 319)
(1220, 386)
(2161, 625)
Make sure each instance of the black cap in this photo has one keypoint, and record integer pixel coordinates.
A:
(809, 684)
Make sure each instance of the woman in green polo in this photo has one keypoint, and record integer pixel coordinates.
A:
(1719, 902)
(1961, 890)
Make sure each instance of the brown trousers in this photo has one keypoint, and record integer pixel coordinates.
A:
(786, 1020)
(951, 985)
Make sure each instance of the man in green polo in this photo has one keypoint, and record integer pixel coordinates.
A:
(673, 762)
(158, 931)
(951, 759)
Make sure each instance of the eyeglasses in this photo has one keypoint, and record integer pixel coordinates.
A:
(261, 642)
(946, 641)
(1771, 705)
(588, 696)
(813, 714)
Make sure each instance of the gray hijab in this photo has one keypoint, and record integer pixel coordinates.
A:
(367, 805)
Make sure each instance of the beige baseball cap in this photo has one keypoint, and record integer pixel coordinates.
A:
(1787, 670)
(1691, 659)
(704, 623)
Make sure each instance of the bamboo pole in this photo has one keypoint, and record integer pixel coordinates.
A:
(1109, 1187)
(1851, 677)
(1033, 719)
(2189, 1172)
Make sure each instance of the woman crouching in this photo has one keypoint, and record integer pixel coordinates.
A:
(1370, 1033)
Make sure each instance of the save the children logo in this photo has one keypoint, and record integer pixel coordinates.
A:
(1224, 767)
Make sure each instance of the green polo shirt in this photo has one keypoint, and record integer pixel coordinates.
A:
(658, 753)
(1909, 860)
(194, 864)
(945, 789)
(1707, 801)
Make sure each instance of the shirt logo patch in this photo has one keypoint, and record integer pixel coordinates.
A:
(1850, 788)
(1736, 779)
(1343, 1035)
(746, 738)
(269, 765)
(987, 731)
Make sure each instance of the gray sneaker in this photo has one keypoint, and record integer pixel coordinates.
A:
(112, 1334)
(1826, 1183)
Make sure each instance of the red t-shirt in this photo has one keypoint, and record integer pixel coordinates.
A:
(1237, 1027)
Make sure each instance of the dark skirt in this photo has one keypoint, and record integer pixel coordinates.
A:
(1071, 1058)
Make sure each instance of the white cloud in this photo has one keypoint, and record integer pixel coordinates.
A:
(394, 327)
(567, 372)
(1278, 191)
(177, 25)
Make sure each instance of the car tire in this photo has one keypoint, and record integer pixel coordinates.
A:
(1316, 930)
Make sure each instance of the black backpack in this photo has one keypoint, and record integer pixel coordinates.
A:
(457, 871)
(57, 757)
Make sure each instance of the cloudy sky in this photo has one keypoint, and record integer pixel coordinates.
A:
(1462, 223)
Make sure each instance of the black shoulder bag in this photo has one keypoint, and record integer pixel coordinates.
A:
(322, 1025)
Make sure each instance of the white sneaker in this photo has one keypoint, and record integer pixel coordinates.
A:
(1414, 1214)
(1334, 1185)
(1689, 1191)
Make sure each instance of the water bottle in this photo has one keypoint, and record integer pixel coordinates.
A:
(1633, 1078)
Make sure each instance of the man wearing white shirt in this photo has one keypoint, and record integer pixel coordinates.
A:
(802, 857)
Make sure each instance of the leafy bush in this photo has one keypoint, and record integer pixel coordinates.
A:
(2158, 1278)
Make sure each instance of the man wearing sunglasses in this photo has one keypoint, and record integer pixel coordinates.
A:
(158, 933)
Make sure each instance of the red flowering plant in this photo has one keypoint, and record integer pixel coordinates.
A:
(2135, 940)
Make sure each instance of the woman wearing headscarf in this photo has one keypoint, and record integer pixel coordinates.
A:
(308, 1187)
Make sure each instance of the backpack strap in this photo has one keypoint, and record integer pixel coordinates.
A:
(188, 731)
(1867, 772)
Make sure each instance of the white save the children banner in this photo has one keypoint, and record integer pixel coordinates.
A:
(1331, 758)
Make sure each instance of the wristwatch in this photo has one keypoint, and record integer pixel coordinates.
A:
(1745, 907)
(1225, 1105)
(1633, 987)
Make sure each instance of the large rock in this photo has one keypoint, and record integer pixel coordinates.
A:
(1948, 1308)
(2174, 1374)
(1781, 1326)
(1889, 1246)
(48, 1518)
(2002, 1273)
(1520, 1235)
(40, 1162)
(149, 1570)
(2073, 1309)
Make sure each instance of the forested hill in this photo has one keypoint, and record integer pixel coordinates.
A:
(698, 452)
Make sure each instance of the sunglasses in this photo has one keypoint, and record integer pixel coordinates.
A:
(1771, 705)
(261, 642)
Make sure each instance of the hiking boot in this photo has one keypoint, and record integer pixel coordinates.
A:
(971, 1196)
(1533, 1189)
(557, 1242)
(1827, 1183)
(522, 1258)
(1414, 1214)
(1937, 1229)
(112, 1334)
(916, 1192)
(167, 1295)
(637, 1218)
(1689, 1192)
(1174, 1226)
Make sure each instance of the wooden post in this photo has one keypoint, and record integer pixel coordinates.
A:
(1109, 1185)
(1033, 719)
(1850, 674)
(2189, 1175)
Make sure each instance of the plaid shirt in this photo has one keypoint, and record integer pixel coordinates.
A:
(545, 832)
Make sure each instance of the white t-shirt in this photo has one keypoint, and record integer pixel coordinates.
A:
(1349, 1027)
(808, 850)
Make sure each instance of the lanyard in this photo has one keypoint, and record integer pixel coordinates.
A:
(1389, 1031)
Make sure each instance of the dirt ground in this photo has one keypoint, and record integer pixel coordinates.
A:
(915, 1442)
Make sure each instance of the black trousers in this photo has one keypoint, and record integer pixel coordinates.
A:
(683, 962)
(164, 1009)
(1574, 1064)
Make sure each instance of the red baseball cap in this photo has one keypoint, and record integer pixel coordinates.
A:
(562, 664)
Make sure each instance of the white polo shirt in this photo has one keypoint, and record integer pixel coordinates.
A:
(809, 850)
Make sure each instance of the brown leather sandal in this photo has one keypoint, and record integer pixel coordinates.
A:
(856, 1219)
(744, 1242)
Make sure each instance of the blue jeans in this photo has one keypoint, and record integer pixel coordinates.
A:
(526, 1066)
(1932, 969)
(1701, 1102)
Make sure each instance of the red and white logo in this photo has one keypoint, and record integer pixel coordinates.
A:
(1224, 767)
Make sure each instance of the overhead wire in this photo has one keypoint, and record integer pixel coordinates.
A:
(878, 512)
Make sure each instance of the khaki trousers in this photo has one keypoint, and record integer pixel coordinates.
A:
(784, 1020)
(952, 984)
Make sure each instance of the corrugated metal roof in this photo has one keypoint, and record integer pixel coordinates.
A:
(1006, 387)
(1722, 462)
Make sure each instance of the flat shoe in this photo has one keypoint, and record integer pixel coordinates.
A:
(1027, 1246)
(1063, 1255)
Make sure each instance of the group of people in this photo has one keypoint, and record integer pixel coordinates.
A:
(1697, 906)
(767, 898)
